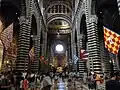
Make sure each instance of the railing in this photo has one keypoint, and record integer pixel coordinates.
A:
(50, 14)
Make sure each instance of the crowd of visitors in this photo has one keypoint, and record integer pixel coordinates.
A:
(110, 81)
(44, 81)
(24, 81)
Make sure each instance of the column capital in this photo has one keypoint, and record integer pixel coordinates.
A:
(22, 19)
(93, 18)
(81, 36)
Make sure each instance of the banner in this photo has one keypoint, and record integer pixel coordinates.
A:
(32, 54)
(75, 59)
(111, 40)
(6, 36)
(84, 54)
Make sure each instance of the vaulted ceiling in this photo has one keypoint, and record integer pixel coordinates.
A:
(108, 14)
(10, 10)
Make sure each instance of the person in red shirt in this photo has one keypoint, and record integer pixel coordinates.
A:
(25, 84)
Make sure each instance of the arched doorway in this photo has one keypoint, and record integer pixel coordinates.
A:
(83, 32)
(33, 31)
(59, 30)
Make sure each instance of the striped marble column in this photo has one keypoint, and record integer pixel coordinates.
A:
(113, 61)
(105, 58)
(24, 39)
(34, 63)
(93, 40)
(94, 45)
(35, 66)
(72, 49)
(23, 45)
(81, 63)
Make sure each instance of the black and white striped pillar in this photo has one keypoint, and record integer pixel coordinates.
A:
(93, 40)
(81, 63)
(94, 45)
(105, 58)
(24, 39)
(23, 45)
(35, 66)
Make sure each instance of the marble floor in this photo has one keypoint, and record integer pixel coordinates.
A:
(65, 85)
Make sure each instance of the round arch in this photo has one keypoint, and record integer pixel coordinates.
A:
(83, 31)
(81, 13)
(58, 16)
(34, 25)
(33, 31)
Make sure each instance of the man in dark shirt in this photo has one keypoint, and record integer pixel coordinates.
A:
(112, 84)
(5, 83)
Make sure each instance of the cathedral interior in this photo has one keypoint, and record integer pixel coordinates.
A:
(48, 33)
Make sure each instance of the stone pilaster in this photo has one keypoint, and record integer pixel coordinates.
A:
(72, 48)
(23, 45)
(94, 45)
(75, 48)
(45, 44)
(70, 61)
